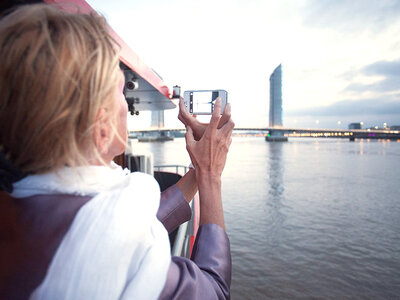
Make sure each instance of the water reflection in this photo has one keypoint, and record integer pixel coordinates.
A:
(275, 217)
(276, 169)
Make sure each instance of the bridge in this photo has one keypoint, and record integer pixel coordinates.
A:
(350, 134)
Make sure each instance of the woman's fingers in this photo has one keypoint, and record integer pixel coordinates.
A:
(212, 127)
(225, 116)
(227, 128)
(188, 120)
(191, 145)
(209, 154)
(184, 116)
(189, 136)
(216, 121)
(182, 112)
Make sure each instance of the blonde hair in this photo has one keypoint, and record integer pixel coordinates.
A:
(57, 70)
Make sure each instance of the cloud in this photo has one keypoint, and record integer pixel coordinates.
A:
(390, 70)
(385, 85)
(388, 106)
(385, 68)
(355, 15)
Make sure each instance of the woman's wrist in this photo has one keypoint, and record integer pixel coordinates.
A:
(207, 178)
(209, 188)
(188, 185)
(211, 210)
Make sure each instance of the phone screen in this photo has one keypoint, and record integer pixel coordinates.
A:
(202, 101)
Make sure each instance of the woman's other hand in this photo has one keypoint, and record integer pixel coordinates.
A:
(199, 128)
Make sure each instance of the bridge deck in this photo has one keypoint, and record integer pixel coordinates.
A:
(307, 132)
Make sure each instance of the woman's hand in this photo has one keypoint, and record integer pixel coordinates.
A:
(209, 152)
(208, 155)
(199, 128)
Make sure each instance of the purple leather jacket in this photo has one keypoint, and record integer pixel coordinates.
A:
(207, 274)
(31, 230)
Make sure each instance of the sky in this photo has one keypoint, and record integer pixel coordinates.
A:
(340, 59)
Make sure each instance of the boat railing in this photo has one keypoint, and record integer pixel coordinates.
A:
(176, 167)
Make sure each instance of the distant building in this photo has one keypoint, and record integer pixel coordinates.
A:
(395, 127)
(275, 106)
(355, 126)
(157, 119)
(275, 98)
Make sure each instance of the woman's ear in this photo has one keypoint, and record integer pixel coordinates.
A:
(102, 132)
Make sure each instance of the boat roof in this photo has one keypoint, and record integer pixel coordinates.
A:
(150, 92)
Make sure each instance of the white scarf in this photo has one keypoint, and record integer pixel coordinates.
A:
(115, 246)
(86, 180)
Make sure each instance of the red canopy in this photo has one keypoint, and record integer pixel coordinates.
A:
(154, 94)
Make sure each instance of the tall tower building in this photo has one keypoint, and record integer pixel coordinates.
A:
(275, 98)
(275, 107)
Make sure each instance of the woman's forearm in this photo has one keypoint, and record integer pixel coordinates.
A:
(211, 210)
(208, 155)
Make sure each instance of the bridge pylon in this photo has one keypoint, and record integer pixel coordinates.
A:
(276, 136)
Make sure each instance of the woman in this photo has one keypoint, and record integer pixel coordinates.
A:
(75, 225)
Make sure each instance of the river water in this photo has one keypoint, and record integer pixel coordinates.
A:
(309, 218)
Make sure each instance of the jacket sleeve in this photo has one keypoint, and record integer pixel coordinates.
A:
(207, 275)
(174, 209)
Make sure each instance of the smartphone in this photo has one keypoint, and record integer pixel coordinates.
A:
(202, 102)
